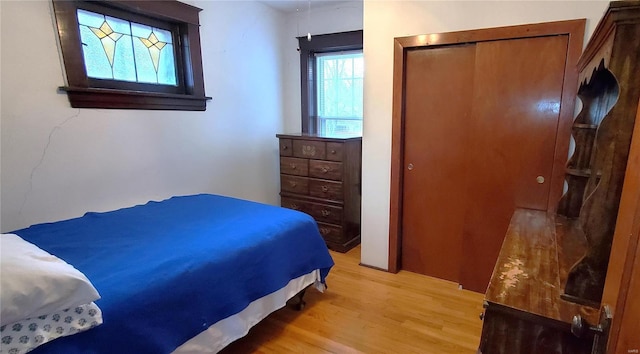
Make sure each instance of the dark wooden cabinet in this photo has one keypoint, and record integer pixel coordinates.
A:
(562, 281)
(320, 175)
(524, 311)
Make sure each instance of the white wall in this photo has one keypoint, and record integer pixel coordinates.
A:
(335, 17)
(59, 162)
(384, 20)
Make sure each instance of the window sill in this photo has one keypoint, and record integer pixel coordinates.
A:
(82, 97)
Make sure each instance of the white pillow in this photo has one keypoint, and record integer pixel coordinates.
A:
(35, 283)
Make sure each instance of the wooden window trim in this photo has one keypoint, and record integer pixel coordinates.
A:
(324, 43)
(85, 92)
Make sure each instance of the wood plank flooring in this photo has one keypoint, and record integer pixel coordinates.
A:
(370, 311)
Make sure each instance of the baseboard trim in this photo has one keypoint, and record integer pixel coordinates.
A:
(373, 267)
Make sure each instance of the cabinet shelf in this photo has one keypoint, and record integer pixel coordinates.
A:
(579, 172)
(585, 126)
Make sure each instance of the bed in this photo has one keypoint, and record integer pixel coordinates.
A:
(187, 274)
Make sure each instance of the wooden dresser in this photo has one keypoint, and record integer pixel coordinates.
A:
(562, 280)
(320, 175)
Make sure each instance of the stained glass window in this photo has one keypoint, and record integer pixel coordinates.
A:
(118, 49)
(131, 54)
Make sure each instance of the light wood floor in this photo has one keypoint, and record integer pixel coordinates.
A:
(371, 311)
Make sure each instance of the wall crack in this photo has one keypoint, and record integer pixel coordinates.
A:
(42, 157)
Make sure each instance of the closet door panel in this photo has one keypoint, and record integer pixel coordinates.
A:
(515, 109)
(439, 84)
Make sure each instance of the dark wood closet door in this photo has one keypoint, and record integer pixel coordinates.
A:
(439, 84)
(479, 128)
(516, 105)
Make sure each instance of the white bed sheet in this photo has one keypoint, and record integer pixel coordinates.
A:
(225, 331)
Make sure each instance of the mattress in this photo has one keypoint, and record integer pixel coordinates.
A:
(169, 270)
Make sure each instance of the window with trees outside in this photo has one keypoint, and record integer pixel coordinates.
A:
(339, 93)
(332, 72)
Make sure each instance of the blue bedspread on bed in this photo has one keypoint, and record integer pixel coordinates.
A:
(168, 270)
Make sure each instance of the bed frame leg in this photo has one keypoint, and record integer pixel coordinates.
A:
(299, 301)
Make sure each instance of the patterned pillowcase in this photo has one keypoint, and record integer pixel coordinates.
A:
(22, 336)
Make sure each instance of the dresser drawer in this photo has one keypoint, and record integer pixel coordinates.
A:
(331, 233)
(325, 169)
(292, 184)
(296, 205)
(309, 149)
(325, 213)
(320, 212)
(285, 147)
(325, 189)
(334, 151)
(294, 166)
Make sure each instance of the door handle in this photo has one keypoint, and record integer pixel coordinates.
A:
(410, 167)
(600, 332)
(580, 327)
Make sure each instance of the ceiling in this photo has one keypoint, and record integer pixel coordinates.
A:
(293, 5)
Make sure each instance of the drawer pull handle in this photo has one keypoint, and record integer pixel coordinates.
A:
(324, 230)
(326, 212)
(308, 150)
(333, 152)
(324, 188)
(285, 147)
(294, 206)
(292, 184)
(326, 169)
(293, 166)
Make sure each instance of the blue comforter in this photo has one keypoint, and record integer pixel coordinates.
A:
(168, 270)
